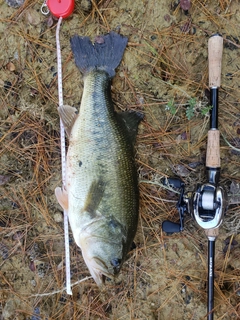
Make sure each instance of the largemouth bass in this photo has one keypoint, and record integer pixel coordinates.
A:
(101, 194)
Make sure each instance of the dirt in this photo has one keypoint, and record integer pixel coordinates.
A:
(163, 72)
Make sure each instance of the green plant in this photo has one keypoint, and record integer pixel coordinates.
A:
(171, 107)
(190, 108)
(205, 110)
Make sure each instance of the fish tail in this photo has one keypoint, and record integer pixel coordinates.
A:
(104, 54)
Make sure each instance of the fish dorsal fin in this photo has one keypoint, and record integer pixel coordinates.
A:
(131, 120)
(94, 197)
(62, 197)
(68, 116)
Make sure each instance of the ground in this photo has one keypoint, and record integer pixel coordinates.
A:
(164, 74)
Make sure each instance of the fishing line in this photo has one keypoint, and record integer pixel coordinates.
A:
(46, 294)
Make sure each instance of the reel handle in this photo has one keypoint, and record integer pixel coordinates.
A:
(169, 226)
(215, 49)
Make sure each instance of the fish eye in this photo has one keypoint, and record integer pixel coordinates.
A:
(116, 262)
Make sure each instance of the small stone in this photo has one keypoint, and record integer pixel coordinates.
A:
(15, 3)
(58, 217)
(4, 179)
(32, 266)
(86, 5)
(167, 17)
(181, 170)
(99, 39)
(184, 136)
(49, 21)
(17, 236)
(10, 66)
(7, 85)
(33, 283)
(33, 17)
(185, 4)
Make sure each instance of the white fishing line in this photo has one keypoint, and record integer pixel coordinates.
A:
(46, 294)
(63, 159)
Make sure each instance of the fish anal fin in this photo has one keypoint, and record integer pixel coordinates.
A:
(62, 197)
(68, 116)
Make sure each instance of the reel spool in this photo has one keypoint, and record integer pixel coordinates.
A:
(207, 206)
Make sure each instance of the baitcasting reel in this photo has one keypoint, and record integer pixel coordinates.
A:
(207, 205)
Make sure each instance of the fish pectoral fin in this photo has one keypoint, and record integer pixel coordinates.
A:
(94, 197)
(62, 197)
(68, 116)
(130, 121)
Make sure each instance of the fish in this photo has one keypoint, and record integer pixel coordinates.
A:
(101, 194)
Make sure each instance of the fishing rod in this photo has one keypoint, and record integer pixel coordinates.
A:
(207, 204)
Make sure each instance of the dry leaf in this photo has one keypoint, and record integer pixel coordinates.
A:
(10, 66)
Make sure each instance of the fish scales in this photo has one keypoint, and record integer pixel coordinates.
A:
(101, 194)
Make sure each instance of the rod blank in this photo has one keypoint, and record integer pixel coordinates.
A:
(211, 254)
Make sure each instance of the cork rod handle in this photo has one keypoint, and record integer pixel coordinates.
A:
(215, 49)
(213, 149)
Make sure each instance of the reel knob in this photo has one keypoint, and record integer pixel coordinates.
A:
(171, 227)
(173, 182)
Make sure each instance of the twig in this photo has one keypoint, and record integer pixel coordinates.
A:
(229, 144)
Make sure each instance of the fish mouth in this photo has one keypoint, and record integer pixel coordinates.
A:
(102, 255)
(101, 279)
(98, 270)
